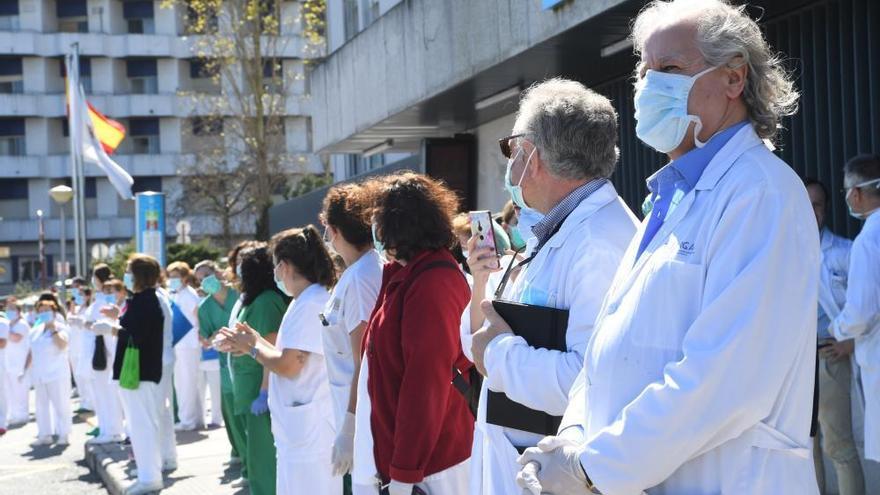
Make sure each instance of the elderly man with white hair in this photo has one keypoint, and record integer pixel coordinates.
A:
(560, 155)
(698, 378)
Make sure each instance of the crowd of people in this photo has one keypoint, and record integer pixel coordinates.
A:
(393, 351)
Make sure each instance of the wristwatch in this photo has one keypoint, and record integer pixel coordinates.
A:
(253, 353)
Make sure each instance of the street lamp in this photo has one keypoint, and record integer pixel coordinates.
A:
(41, 237)
(62, 194)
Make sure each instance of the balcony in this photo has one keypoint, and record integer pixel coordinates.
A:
(58, 166)
(115, 106)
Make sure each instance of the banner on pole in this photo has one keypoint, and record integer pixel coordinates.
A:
(150, 224)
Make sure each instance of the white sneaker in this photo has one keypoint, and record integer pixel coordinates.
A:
(41, 441)
(140, 488)
(62, 441)
(240, 483)
(105, 440)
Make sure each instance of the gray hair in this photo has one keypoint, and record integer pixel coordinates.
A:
(863, 168)
(725, 32)
(573, 128)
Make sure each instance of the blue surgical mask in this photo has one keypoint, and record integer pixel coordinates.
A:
(174, 284)
(280, 283)
(527, 219)
(107, 299)
(238, 271)
(128, 281)
(75, 292)
(12, 314)
(210, 285)
(44, 317)
(378, 245)
(515, 191)
(859, 216)
(79, 299)
(661, 103)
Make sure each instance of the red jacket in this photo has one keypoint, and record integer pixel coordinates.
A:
(421, 424)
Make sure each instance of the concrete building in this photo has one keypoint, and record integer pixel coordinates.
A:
(138, 67)
(411, 76)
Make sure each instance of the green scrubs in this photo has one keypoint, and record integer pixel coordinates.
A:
(263, 315)
(213, 317)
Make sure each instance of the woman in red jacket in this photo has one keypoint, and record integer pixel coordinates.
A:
(422, 427)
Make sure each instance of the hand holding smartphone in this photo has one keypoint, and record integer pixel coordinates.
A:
(482, 229)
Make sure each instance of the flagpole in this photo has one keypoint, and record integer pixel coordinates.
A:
(73, 77)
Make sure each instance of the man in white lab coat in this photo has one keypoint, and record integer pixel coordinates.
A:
(561, 153)
(699, 375)
(835, 366)
(860, 317)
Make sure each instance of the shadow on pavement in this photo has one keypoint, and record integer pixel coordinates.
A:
(45, 451)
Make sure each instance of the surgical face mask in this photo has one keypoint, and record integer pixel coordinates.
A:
(464, 252)
(528, 218)
(852, 213)
(44, 317)
(107, 298)
(210, 285)
(515, 191)
(238, 271)
(377, 244)
(79, 299)
(75, 292)
(661, 103)
(12, 314)
(174, 284)
(279, 282)
(128, 281)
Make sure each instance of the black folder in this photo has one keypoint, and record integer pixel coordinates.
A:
(541, 327)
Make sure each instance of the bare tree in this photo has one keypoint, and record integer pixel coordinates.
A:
(243, 48)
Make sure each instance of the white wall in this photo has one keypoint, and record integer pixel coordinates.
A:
(169, 135)
(491, 194)
(168, 70)
(33, 72)
(36, 136)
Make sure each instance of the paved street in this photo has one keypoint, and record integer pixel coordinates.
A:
(46, 470)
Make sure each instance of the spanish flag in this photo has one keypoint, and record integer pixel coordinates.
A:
(108, 131)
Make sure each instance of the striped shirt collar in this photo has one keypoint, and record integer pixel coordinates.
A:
(545, 229)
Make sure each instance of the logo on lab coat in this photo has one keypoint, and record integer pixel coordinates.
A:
(685, 248)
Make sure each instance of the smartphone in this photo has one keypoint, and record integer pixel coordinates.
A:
(481, 227)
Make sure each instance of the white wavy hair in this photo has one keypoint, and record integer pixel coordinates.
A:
(724, 33)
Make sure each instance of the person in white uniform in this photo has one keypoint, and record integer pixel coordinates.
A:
(51, 374)
(300, 402)
(108, 406)
(187, 351)
(17, 377)
(348, 232)
(82, 343)
(561, 153)
(4, 341)
(860, 317)
(835, 367)
(699, 376)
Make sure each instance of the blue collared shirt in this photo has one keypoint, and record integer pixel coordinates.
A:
(671, 183)
(543, 230)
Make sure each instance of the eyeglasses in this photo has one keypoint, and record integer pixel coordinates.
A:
(504, 143)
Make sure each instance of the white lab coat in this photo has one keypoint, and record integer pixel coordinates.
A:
(17, 377)
(699, 376)
(187, 357)
(573, 271)
(860, 319)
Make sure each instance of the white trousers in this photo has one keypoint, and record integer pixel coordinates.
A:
(53, 408)
(17, 400)
(209, 381)
(168, 442)
(143, 408)
(314, 475)
(186, 384)
(107, 404)
(4, 403)
(452, 481)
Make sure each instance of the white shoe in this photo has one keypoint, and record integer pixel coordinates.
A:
(168, 466)
(240, 483)
(140, 488)
(105, 440)
(62, 441)
(41, 441)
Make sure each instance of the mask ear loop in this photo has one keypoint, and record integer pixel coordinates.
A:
(699, 123)
(526, 167)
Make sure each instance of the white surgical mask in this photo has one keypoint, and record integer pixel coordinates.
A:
(661, 103)
(859, 216)
(174, 284)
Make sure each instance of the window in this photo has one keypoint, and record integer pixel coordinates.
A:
(357, 164)
(9, 15)
(206, 126)
(11, 80)
(144, 135)
(85, 72)
(13, 189)
(350, 8)
(91, 185)
(139, 16)
(147, 183)
(72, 16)
(273, 76)
(12, 137)
(202, 69)
(142, 75)
(201, 21)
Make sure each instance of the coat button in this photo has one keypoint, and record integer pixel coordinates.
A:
(612, 308)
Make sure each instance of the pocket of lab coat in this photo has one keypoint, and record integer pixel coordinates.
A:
(301, 426)
(669, 302)
(762, 450)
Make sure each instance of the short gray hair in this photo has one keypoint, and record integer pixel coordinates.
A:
(725, 32)
(573, 128)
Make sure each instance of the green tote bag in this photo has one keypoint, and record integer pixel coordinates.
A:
(130, 375)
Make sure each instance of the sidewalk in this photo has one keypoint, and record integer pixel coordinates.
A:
(202, 458)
